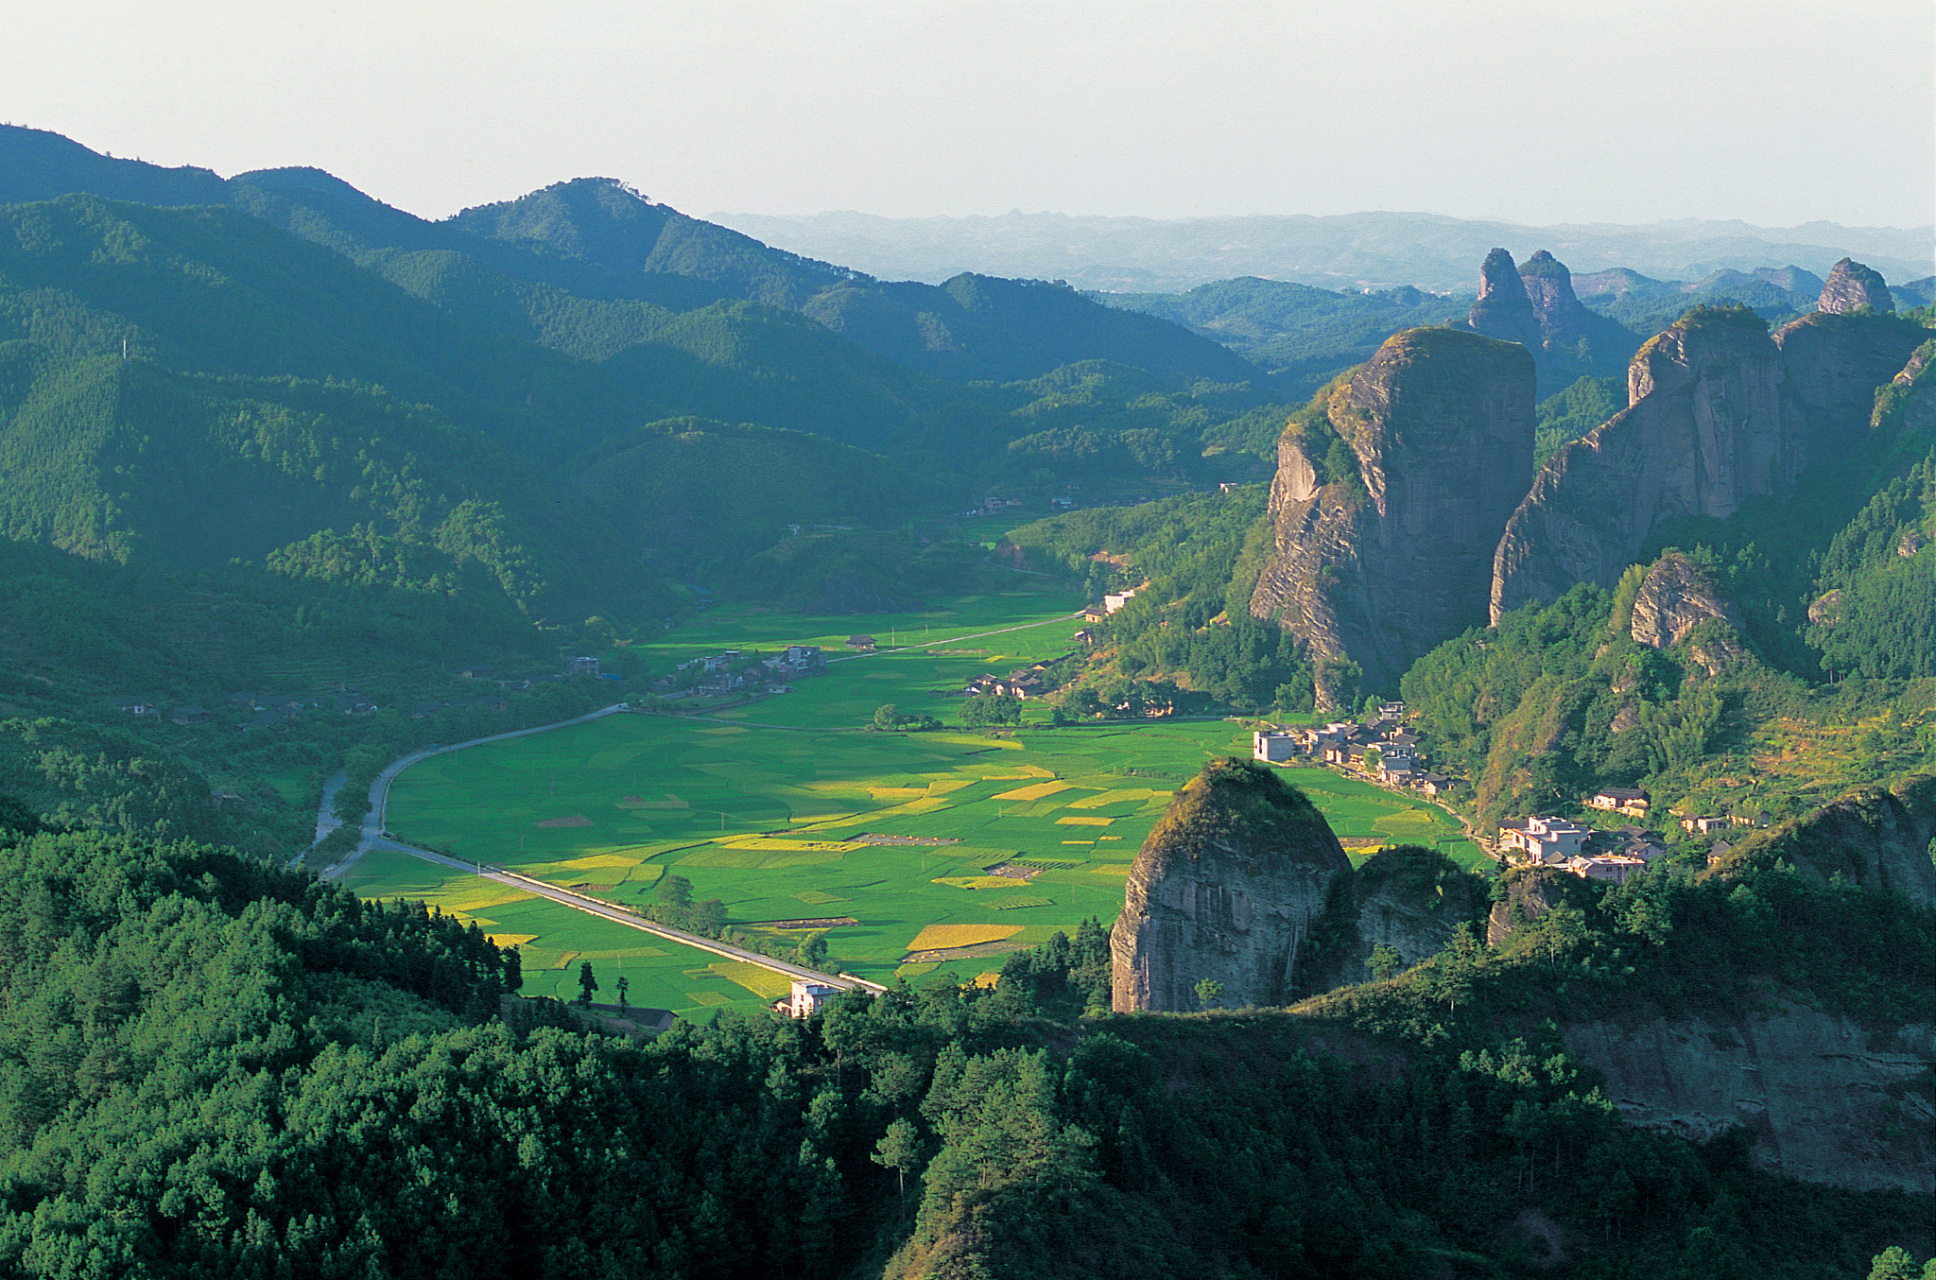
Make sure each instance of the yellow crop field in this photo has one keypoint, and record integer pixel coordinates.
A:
(1083, 822)
(939, 936)
(763, 983)
(486, 894)
(781, 844)
(981, 882)
(1112, 869)
(1040, 791)
(897, 793)
(1102, 798)
(948, 786)
(597, 861)
(510, 939)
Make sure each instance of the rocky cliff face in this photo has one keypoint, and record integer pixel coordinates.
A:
(1827, 1100)
(1535, 306)
(1225, 889)
(1850, 286)
(1876, 838)
(1409, 900)
(1676, 597)
(1706, 427)
(1530, 893)
(1834, 363)
(1379, 565)
(1504, 309)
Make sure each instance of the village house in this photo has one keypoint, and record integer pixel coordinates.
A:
(1274, 746)
(1605, 866)
(1397, 767)
(1433, 784)
(1630, 801)
(861, 644)
(1544, 839)
(806, 998)
(1116, 600)
(584, 665)
(1702, 826)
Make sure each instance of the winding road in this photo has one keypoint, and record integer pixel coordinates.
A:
(374, 837)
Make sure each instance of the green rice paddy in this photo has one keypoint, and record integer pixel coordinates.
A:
(789, 811)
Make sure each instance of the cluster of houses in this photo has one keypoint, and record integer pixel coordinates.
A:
(735, 671)
(1549, 841)
(1023, 683)
(1381, 747)
(250, 711)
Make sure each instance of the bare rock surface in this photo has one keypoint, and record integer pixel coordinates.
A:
(1706, 427)
(1225, 889)
(1676, 597)
(1851, 286)
(1828, 1100)
(1834, 363)
(1378, 566)
(1504, 309)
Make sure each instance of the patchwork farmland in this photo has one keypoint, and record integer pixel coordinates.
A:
(920, 855)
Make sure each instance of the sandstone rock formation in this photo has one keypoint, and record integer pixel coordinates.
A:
(1834, 363)
(1503, 309)
(1851, 285)
(1876, 838)
(1676, 596)
(1828, 1100)
(1410, 900)
(1530, 893)
(1224, 889)
(1377, 565)
(1706, 427)
(1566, 339)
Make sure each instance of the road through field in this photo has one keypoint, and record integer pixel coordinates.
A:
(375, 837)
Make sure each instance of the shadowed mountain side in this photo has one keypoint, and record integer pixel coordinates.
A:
(1875, 837)
(1387, 501)
(1224, 891)
(1718, 412)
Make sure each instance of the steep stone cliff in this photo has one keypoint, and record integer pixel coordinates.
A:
(1504, 309)
(1535, 306)
(1850, 286)
(1827, 1100)
(1676, 596)
(1530, 892)
(1718, 412)
(1834, 364)
(1876, 838)
(1706, 426)
(1224, 889)
(1386, 510)
(1407, 901)
(1675, 599)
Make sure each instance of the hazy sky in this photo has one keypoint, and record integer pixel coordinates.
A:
(1772, 111)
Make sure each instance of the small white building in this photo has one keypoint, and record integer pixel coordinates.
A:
(1544, 839)
(1274, 746)
(806, 998)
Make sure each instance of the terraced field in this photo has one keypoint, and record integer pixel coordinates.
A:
(945, 849)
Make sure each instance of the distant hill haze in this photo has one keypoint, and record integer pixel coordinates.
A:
(1345, 251)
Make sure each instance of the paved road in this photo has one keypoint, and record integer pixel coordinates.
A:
(374, 838)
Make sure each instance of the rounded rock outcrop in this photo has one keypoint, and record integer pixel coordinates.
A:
(1224, 891)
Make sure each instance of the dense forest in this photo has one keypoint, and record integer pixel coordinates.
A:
(215, 1067)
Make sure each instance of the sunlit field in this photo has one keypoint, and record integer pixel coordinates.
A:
(920, 854)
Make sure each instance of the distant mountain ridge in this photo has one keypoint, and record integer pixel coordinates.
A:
(1345, 251)
(600, 240)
